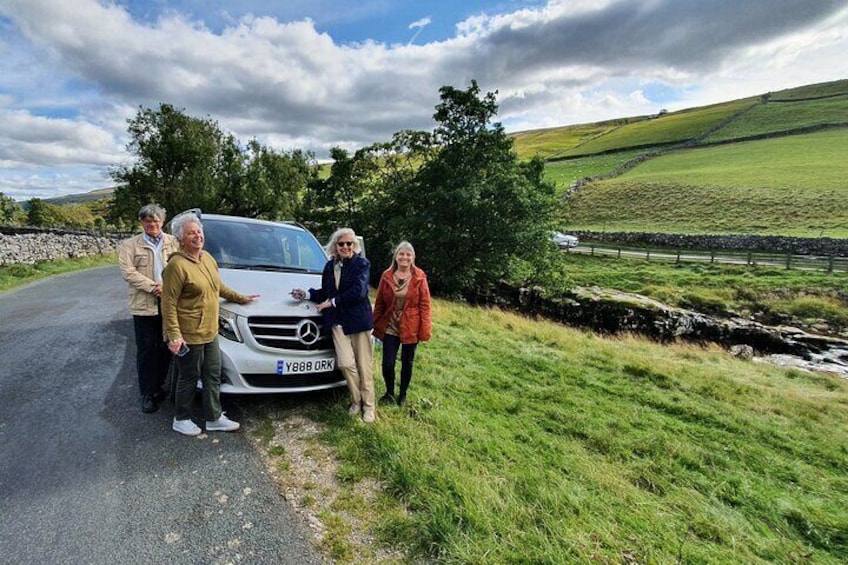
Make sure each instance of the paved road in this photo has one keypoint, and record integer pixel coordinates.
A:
(85, 477)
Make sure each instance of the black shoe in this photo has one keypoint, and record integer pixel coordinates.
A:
(387, 398)
(149, 404)
(159, 396)
(401, 399)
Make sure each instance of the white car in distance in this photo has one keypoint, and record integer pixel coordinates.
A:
(564, 241)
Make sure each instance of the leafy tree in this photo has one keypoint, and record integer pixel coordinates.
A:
(272, 183)
(41, 213)
(10, 212)
(184, 162)
(339, 200)
(471, 209)
(179, 159)
(74, 216)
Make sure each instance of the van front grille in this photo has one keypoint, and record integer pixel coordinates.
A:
(281, 332)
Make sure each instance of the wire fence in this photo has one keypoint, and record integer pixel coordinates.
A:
(828, 264)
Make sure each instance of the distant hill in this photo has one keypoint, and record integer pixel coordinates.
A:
(93, 196)
(79, 198)
(769, 164)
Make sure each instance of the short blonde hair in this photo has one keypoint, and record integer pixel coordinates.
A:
(331, 245)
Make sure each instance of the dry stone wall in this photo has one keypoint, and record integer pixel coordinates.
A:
(820, 246)
(30, 246)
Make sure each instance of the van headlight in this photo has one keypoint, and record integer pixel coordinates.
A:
(228, 326)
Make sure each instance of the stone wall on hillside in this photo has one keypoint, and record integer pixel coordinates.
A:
(40, 245)
(819, 246)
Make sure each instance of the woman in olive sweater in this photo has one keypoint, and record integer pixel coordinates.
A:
(190, 290)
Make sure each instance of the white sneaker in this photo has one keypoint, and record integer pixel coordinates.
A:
(354, 409)
(369, 416)
(222, 424)
(186, 427)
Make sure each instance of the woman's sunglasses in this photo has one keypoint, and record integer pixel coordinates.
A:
(344, 243)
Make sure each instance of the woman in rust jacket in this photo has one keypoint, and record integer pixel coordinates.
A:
(401, 318)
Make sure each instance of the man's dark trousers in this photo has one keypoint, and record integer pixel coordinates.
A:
(152, 355)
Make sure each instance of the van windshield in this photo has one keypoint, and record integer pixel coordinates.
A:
(273, 247)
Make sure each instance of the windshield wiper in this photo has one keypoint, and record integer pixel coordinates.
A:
(279, 268)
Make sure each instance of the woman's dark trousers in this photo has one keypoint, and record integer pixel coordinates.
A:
(391, 344)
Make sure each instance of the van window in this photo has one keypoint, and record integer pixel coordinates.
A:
(248, 244)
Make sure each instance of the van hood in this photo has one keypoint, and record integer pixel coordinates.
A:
(274, 288)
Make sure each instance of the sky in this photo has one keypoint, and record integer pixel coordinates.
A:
(318, 74)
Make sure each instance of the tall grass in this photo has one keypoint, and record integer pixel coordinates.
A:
(527, 442)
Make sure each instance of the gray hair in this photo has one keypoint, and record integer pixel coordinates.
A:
(152, 211)
(179, 222)
(402, 246)
(331, 245)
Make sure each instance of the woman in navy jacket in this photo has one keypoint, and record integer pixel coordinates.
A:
(343, 301)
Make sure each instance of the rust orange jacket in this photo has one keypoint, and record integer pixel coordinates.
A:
(415, 321)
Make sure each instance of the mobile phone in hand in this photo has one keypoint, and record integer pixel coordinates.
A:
(183, 350)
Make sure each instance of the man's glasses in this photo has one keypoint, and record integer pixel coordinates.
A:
(344, 243)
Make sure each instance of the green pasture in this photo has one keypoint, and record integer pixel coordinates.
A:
(777, 117)
(528, 442)
(555, 142)
(791, 185)
(820, 90)
(562, 173)
(673, 127)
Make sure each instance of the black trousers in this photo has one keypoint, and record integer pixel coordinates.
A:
(391, 344)
(152, 356)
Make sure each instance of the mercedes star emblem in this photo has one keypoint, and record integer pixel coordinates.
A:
(308, 332)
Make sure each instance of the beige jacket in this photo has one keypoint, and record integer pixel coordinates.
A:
(135, 259)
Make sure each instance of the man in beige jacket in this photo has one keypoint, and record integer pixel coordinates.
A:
(142, 259)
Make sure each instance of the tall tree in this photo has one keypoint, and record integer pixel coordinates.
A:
(272, 183)
(472, 209)
(41, 213)
(178, 161)
(10, 212)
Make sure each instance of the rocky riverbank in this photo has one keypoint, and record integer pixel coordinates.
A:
(613, 312)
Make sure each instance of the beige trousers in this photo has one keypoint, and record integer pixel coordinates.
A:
(354, 354)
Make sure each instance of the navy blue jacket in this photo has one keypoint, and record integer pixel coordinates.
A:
(353, 307)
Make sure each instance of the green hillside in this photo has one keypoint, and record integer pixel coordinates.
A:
(791, 185)
(779, 167)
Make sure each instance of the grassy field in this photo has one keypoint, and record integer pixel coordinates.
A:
(718, 289)
(790, 186)
(673, 127)
(785, 116)
(528, 442)
(821, 90)
(563, 173)
(555, 142)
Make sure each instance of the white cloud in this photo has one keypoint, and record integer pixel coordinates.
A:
(73, 72)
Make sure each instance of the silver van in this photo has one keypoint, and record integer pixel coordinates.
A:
(275, 344)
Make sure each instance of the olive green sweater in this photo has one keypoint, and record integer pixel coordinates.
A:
(190, 291)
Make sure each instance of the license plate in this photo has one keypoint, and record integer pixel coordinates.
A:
(300, 366)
